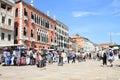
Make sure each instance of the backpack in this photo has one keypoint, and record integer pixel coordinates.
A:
(74, 55)
(111, 54)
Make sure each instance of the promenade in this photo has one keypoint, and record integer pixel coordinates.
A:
(89, 70)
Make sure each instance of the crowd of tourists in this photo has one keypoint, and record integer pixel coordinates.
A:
(41, 57)
(107, 57)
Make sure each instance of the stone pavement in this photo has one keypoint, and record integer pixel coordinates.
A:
(89, 70)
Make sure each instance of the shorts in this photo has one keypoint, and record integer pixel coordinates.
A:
(111, 60)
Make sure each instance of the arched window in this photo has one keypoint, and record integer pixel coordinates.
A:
(38, 35)
(25, 12)
(24, 32)
(32, 34)
(32, 15)
(16, 12)
(37, 20)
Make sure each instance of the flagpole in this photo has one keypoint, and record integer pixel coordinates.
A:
(110, 37)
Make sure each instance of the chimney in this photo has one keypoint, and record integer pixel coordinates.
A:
(54, 17)
(48, 13)
(32, 3)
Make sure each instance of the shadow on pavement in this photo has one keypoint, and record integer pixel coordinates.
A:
(117, 65)
(107, 66)
(0, 74)
(101, 65)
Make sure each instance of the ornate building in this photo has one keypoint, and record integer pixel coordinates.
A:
(33, 28)
(84, 43)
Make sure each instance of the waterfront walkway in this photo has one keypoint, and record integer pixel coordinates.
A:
(89, 70)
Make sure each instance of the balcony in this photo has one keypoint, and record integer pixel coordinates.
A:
(51, 29)
(13, 1)
(25, 37)
(6, 27)
(32, 39)
(25, 18)
(32, 21)
(10, 14)
(55, 44)
(10, 2)
(3, 11)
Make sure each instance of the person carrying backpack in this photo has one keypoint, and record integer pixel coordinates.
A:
(111, 57)
(73, 57)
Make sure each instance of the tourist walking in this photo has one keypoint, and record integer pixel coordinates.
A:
(64, 56)
(111, 57)
(68, 56)
(31, 56)
(73, 57)
(49, 57)
(39, 58)
(5, 56)
(104, 57)
(60, 63)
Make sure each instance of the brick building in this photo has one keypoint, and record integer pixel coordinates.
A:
(33, 28)
(84, 43)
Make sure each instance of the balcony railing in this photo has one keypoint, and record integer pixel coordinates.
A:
(25, 18)
(54, 44)
(6, 27)
(3, 10)
(32, 39)
(10, 14)
(13, 1)
(9, 1)
(25, 37)
(32, 21)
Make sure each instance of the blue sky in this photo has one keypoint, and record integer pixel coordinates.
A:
(94, 19)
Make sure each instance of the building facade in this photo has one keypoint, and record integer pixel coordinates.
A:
(6, 22)
(84, 43)
(62, 36)
(33, 28)
(104, 46)
(73, 46)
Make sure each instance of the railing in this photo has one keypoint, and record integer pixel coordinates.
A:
(32, 39)
(25, 38)
(6, 27)
(10, 14)
(32, 21)
(3, 10)
(53, 43)
(50, 29)
(12, 1)
(25, 18)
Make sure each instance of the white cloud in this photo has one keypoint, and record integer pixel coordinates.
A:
(112, 8)
(115, 3)
(115, 34)
(83, 13)
(116, 12)
(115, 7)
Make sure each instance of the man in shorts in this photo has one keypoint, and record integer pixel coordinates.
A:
(111, 57)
